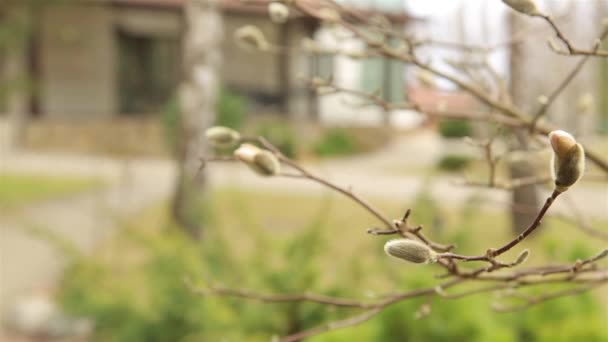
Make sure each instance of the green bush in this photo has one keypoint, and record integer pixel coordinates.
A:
(453, 162)
(138, 293)
(134, 290)
(230, 110)
(455, 128)
(336, 142)
(230, 113)
(170, 121)
(281, 135)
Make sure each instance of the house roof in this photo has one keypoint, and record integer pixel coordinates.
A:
(260, 7)
(154, 3)
(430, 99)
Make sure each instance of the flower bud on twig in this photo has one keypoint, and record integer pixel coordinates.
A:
(279, 13)
(568, 160)
(527, 7)
(222, 137)
(521, 258)
(261, 161)
(251, 37)
(410, 250)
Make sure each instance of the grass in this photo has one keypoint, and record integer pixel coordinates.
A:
(20, 189)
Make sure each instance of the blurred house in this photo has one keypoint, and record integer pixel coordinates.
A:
(99, 59)
(121, 58)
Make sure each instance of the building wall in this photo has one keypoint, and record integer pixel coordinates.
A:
(255, 70)
(78, 54)
(299, 103)
(77, 62)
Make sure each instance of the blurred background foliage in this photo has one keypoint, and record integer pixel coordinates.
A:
(133, 286)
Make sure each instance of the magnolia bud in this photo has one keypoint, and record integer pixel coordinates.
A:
(266, 163)
(261, 161)
(522, 257)
(568, 160)
(251, 37)
(410, 250)
(222, 137)
(527, 7)
(543, 100)
(246, 153)
(278, 12)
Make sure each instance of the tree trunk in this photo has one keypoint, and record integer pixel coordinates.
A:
(197, 102)
(16, 74)
(524, 201)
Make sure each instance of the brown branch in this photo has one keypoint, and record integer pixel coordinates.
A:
(305, 174)
(280, 298)
(564, 83)
(348, 322)
(531, 301)
(492, 253)
(572, 50)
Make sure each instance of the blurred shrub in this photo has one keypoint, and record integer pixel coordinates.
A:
(170, 120)
(453, 162)
(133, 288)
(455, 128)
(351, 140)
(335, 142)
(281, 135)
(472, 319)
(137, 292)
(230, 113)
(230, 110)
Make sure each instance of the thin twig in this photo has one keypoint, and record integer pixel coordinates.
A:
(572, 50)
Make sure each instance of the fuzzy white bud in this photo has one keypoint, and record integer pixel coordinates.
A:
(527, 7)
(522, 257)
(410, 250)
(261, 161)
(222, 137)
(251, 37)
(278, 12)
(568, 164)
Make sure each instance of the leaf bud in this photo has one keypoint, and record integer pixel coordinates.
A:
(410, 250)
(252, 37)
(261, 161)
(278, 12)
(568, 160)
(222, 137)
(527, 7)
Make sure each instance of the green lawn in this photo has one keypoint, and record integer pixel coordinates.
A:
(19, 189)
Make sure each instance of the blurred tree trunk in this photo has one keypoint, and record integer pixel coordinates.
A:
(16, 21)
(524, 201)
(197, 104)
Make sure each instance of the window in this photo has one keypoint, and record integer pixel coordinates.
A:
(323, 66)
(148, 70)
(384, 75)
